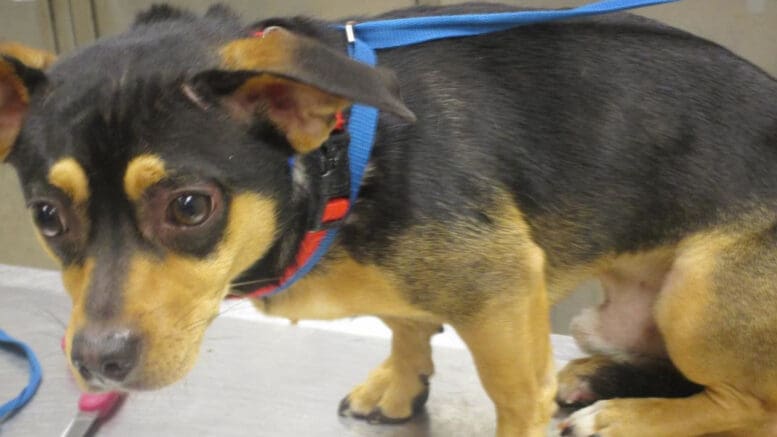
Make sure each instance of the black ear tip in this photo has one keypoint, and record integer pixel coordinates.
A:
(395, 105)
(406, 114)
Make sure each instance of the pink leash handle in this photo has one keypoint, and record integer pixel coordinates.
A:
(100, 403)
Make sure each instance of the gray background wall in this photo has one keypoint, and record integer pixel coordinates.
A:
(748, 27)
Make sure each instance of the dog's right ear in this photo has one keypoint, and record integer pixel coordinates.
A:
(21, 71)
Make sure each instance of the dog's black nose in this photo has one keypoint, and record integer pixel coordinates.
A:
(105, 353)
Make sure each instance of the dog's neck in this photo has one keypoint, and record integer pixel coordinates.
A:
(304, 205)
(293, 219)
(316, 178)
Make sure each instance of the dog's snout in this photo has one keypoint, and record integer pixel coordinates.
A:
(105, 353)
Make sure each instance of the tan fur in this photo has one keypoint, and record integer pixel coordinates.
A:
(699, 415)
(28, 56)
(344, 288)
(715, 313)
(273, 52)
(76, 280)
(509, 341)
(68, 175)
(142, 172)
(392, 387)
(454, 268)
(306, 122)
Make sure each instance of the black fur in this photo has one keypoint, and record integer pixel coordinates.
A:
(659, 379)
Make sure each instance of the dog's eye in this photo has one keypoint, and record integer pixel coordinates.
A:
(189, 209)
(48, 220)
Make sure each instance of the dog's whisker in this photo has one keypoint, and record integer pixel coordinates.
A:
(56, 319)
(256, 281)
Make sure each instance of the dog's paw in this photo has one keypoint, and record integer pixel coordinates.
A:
(587, 422)
(387, 397)
(574, 387)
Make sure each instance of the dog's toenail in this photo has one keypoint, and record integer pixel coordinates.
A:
(345, 404)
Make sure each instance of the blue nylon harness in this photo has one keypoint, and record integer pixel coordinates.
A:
(365, 38)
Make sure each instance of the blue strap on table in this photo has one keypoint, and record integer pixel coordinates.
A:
(9, 408)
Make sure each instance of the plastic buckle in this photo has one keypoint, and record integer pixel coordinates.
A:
(334, 185)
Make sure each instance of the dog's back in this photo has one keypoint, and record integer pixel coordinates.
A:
(613, 135)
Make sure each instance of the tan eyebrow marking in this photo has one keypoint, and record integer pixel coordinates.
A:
(142, 172)
(68, 175)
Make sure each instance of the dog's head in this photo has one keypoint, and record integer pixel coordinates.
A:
(155, 166)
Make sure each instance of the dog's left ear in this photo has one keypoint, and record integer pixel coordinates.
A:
(20, 72)
(298, 83)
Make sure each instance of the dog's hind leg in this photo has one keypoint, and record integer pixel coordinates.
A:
(510, 343)
(629, 358)
(715, 312)
(397, 389)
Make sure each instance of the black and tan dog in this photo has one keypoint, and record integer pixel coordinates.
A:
(155, 164)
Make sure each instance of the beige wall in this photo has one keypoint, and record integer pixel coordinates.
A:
(748, 27)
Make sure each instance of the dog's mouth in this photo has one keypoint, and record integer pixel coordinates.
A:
(100, 384)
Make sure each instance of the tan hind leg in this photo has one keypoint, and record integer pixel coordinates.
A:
(715, 312)
(712, 411)
(510, 343)
(399, 387)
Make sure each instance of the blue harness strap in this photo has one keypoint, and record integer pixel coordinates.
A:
(365, 38)
(399, 32)
(9, 408)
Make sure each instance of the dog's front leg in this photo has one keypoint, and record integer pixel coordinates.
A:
(398, 388)
(509, 341)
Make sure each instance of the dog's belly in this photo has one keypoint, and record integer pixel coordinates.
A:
(624, 324)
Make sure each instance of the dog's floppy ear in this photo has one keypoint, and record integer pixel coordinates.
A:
(298, 83)
(20, 72)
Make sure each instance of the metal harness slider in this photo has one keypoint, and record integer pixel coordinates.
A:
(349, 33)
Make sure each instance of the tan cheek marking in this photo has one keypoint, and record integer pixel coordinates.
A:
(143, 172)
(171, 301)
(68, 175)
(76, 280)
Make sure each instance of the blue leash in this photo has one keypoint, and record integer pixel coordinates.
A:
(9, 408)
(399, 32)
(365, 38)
